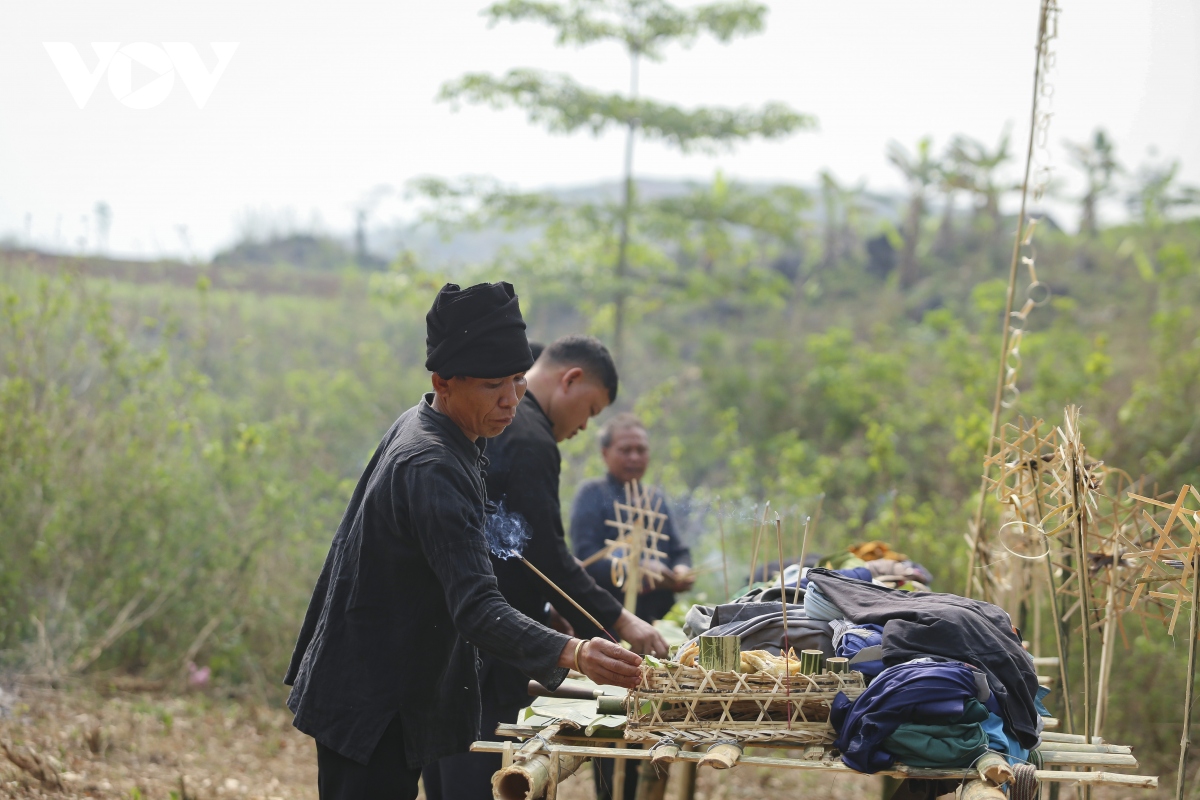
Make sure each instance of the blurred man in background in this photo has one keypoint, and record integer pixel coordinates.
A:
(625, 447)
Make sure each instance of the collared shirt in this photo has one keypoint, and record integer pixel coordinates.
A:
(524, 477)
(406, 594)
(593, 506)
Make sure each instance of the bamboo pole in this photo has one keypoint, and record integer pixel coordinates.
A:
(691, 757)
(1106, 647)
(1084, 573)
(1059, 641)
(1185, 741)
(1011, 294)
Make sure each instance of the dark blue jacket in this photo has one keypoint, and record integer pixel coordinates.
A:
(593, 505)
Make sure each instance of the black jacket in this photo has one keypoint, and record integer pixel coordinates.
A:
(406, 594)
(917, 624)
(524, 476)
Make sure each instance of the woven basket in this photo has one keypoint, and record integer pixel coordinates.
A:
(695, 704)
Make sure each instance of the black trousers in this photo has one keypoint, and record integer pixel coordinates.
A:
(468, 776)
(386, 776)
(602, 777)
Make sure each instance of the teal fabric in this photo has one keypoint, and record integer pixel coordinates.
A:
(941, 742)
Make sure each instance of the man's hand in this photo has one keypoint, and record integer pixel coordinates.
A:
(605, 663)
(641, 635)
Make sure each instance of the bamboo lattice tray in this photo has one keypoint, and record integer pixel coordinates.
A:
(695, 704)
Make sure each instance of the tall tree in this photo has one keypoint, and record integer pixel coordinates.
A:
(1099, 164)
(979, 166)
(643, 28)
(920, 170)
(842, 209)
(1157, 193)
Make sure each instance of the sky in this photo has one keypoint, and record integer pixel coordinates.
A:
(324, 108)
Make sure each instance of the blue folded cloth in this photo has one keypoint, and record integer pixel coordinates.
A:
(817, 606)
(898, 695)
(854, 640)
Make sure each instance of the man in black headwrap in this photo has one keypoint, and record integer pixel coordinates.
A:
(384, 674)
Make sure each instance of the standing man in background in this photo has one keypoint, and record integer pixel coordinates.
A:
(625, 447)
(573, 380)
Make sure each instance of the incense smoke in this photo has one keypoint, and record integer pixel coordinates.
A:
(506, 532)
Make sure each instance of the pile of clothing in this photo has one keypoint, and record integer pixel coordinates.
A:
(950, 678)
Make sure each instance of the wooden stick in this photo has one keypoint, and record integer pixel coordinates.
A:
(554, 586)
(1185, 741)
(724, 557)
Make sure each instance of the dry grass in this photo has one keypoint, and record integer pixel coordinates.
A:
(136, 742)
(114, 743)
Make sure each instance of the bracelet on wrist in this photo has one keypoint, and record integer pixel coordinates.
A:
(578, 648)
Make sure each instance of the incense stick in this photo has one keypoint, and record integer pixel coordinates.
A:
(554, 586)
(803, 554)
(724, 560)
(787, 671)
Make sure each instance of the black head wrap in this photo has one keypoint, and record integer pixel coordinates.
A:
(476, 332)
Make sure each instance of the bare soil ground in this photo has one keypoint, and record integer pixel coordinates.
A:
(122, 741)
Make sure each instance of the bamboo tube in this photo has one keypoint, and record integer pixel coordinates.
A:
(994, 767)
(723, 755)
(664, 754)
(1185, 740)
(529, 779)
(979, 789)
